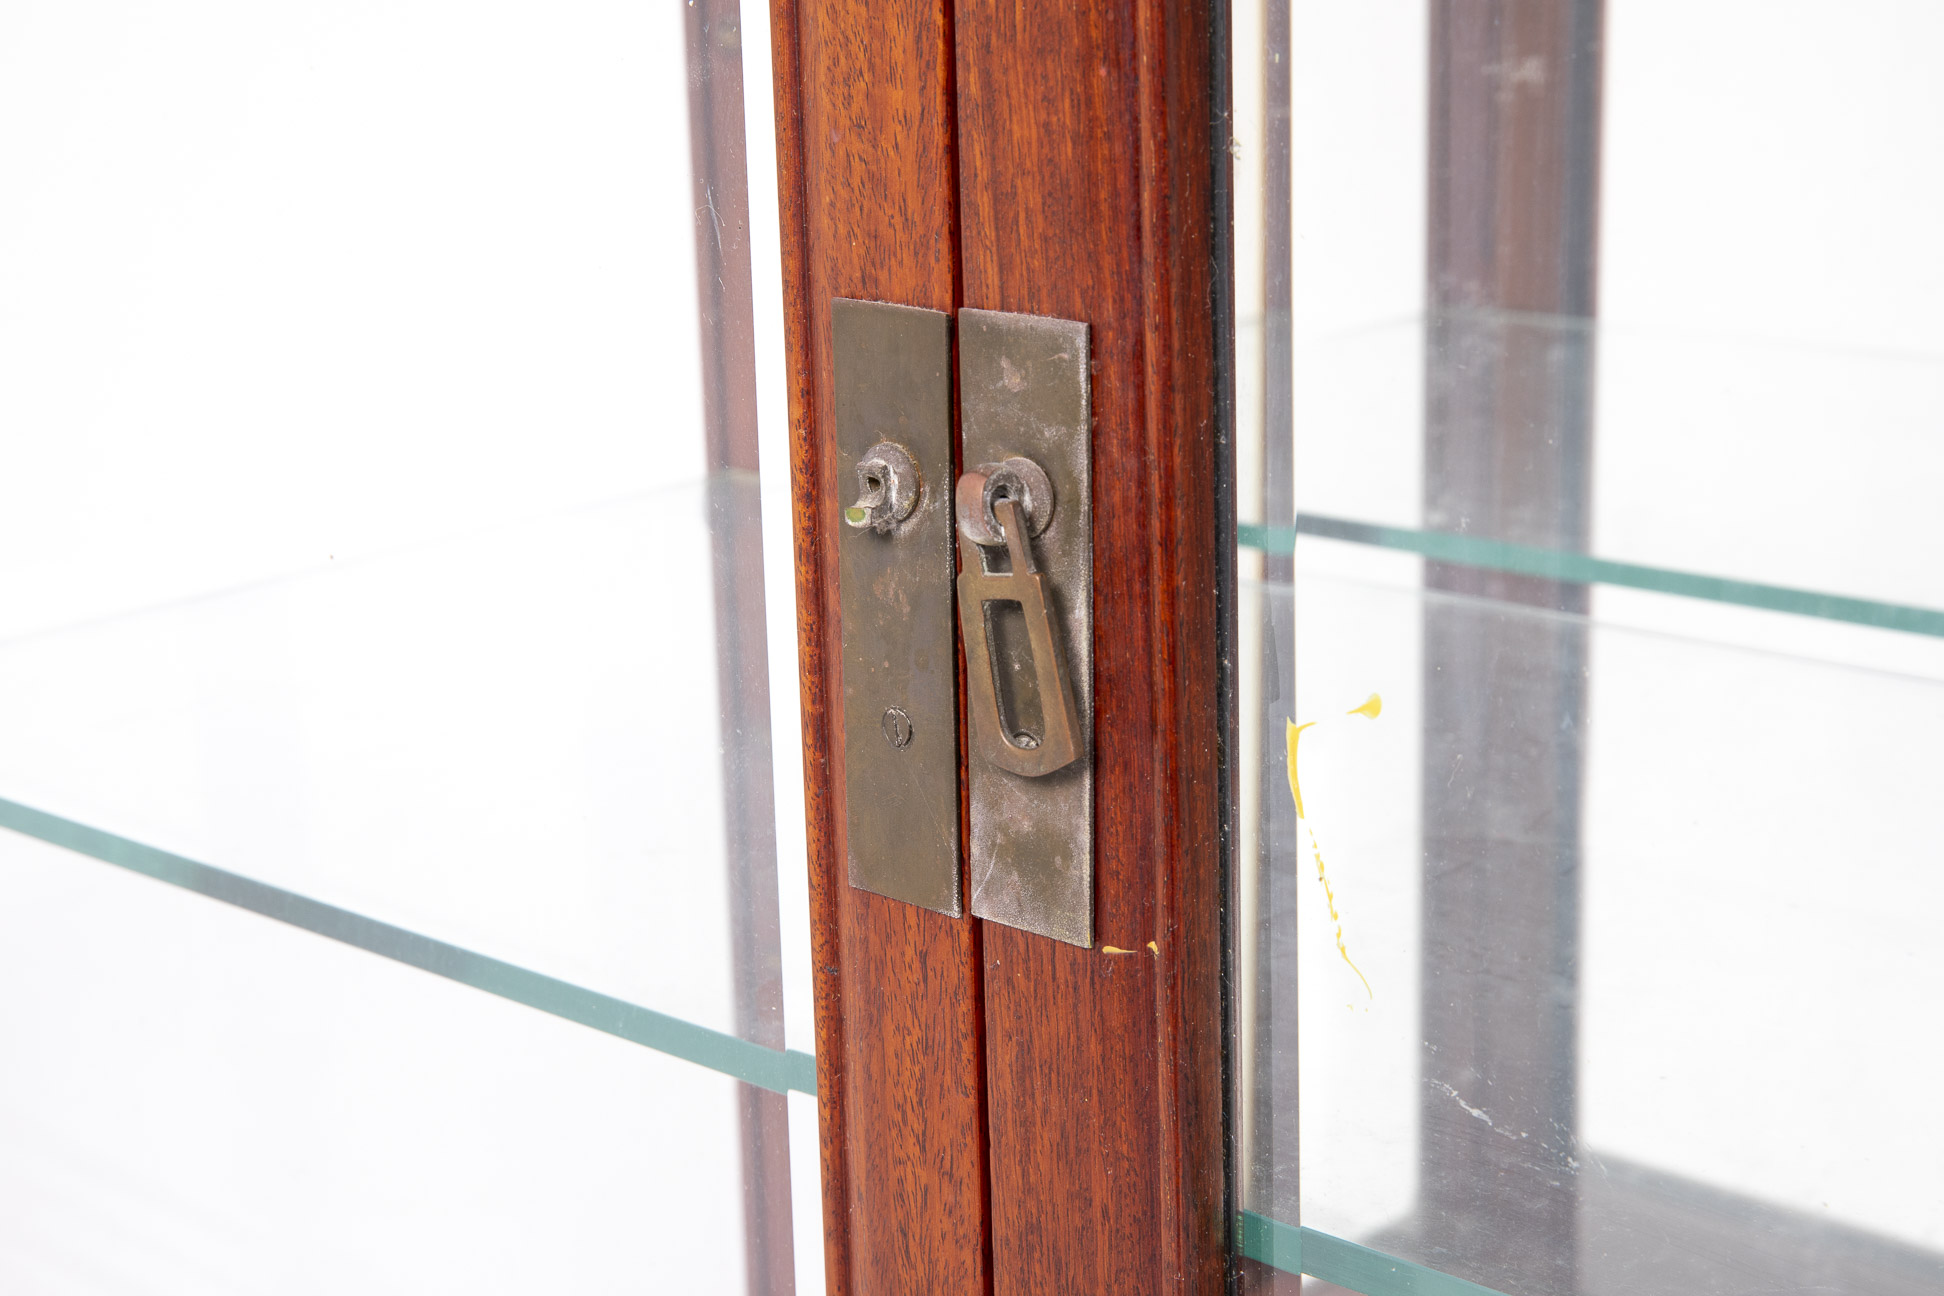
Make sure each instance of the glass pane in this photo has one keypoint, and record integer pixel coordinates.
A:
(199, 1100)
(395, 542)
(1587, 382)
(500, 741)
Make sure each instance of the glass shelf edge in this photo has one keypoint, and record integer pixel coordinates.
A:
(1560, 565)
(778, 1070)
(1298, 1250)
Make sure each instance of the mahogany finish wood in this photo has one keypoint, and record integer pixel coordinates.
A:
(1086, 182)
(864, 126)
(1075, 148)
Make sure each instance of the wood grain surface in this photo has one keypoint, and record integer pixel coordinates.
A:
(1052, 159)
(1086, 193)
(868, 211)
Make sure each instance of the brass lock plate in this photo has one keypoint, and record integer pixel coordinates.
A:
(893, 388)
(1025, 408)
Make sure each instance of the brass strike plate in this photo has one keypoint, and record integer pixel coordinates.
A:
(1026, 611)
(893, 389)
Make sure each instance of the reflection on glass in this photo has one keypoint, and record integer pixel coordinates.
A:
(383, 520)
(1594, 962)
(492, 741)
(1745, 1085)
(197, 1100)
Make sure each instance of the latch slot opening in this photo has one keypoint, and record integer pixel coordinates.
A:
(1015, 677)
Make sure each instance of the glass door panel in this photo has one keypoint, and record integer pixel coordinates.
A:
(1586, 389)
(504, 741)
(199, 1100)
(395, 543)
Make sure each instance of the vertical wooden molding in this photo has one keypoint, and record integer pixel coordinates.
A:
(1179, 269)
(811, 663)
(867, 162)
(1079, 184)
(1086, 192)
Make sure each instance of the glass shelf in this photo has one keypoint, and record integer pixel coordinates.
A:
(197, 1100)
(1575, 954)
(509, 743)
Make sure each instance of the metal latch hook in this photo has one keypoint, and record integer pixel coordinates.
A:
(1015, 500)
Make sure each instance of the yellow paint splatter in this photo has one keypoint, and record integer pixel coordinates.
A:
(1329, 898)
(1372, 707)
(1295, 784)
(1114, 949)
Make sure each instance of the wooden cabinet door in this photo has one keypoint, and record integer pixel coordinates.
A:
(1000, 1111)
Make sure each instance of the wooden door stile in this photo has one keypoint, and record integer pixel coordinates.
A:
(1087, 192)
(867, 175)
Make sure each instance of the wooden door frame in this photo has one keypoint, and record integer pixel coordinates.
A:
(1000, 1112)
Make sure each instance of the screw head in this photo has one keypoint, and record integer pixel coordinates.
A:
(897, 727)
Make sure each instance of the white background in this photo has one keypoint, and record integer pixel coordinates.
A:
(352, 537)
